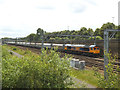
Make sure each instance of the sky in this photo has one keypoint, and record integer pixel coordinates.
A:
(19, 18)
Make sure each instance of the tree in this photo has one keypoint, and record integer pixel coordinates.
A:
(40, 31)
(97, 32)
(40, 34)
(118, 33)
(83, 31)
(36, 38)
(106, 26)
(31, 37)
(90, 32)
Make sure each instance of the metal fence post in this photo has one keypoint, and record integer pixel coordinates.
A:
(42, 42)
(95, 40)
(105, 52)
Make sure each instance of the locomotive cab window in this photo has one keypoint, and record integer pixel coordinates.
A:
(86, 49)
(82, 49)
(68, 47)
(97, 48)
(73, 48)
(91, 48)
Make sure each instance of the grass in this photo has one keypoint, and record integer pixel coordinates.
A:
(17, 50)
(85, 75)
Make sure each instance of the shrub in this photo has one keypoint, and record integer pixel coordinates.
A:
(99, 38)
(14, 48)
(91, 38)
(11, 53)
(5, 53)
(36, 71)
(113, 80)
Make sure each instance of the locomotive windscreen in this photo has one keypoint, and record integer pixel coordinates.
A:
(84, 49)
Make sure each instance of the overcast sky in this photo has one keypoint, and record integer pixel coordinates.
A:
(19, 18)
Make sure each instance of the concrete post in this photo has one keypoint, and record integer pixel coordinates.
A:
(82, 65)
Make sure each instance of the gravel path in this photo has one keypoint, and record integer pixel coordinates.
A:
(16, 54)
(81, 84)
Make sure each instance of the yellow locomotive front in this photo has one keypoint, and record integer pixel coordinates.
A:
(95, 50)
(90, 50)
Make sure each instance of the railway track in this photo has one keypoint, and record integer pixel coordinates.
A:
(89, 61)
(96, 62)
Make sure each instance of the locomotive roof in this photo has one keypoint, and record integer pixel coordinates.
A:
(79, 45)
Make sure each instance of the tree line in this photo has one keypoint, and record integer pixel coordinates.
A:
(52, 36)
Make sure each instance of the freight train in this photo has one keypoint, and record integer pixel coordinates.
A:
(89, 50)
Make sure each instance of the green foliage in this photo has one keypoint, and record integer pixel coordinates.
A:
(11, 53)
(82, 31)
(31, 37)
(97, 32)
(99, 38)
(14, 48)
(85, 75)
(35, 71)
(113, 80)
(91, 38)
(90, 32)
(117, 35)
(40, 31)
(52, 37)
(5, 53)
(105, 26)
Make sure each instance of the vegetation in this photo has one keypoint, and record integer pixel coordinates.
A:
(48, 70)
(52, 37)
(87, 76)
(83, 31)
(113, 75)
(82, 75)
(35, 71)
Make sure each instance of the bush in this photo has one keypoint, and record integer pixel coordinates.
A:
(99, 38)
(14, 48)
(91, 38)
(36, 71)
(5, 53)
(113, 80)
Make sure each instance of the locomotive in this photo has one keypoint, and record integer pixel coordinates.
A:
(89, 50)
